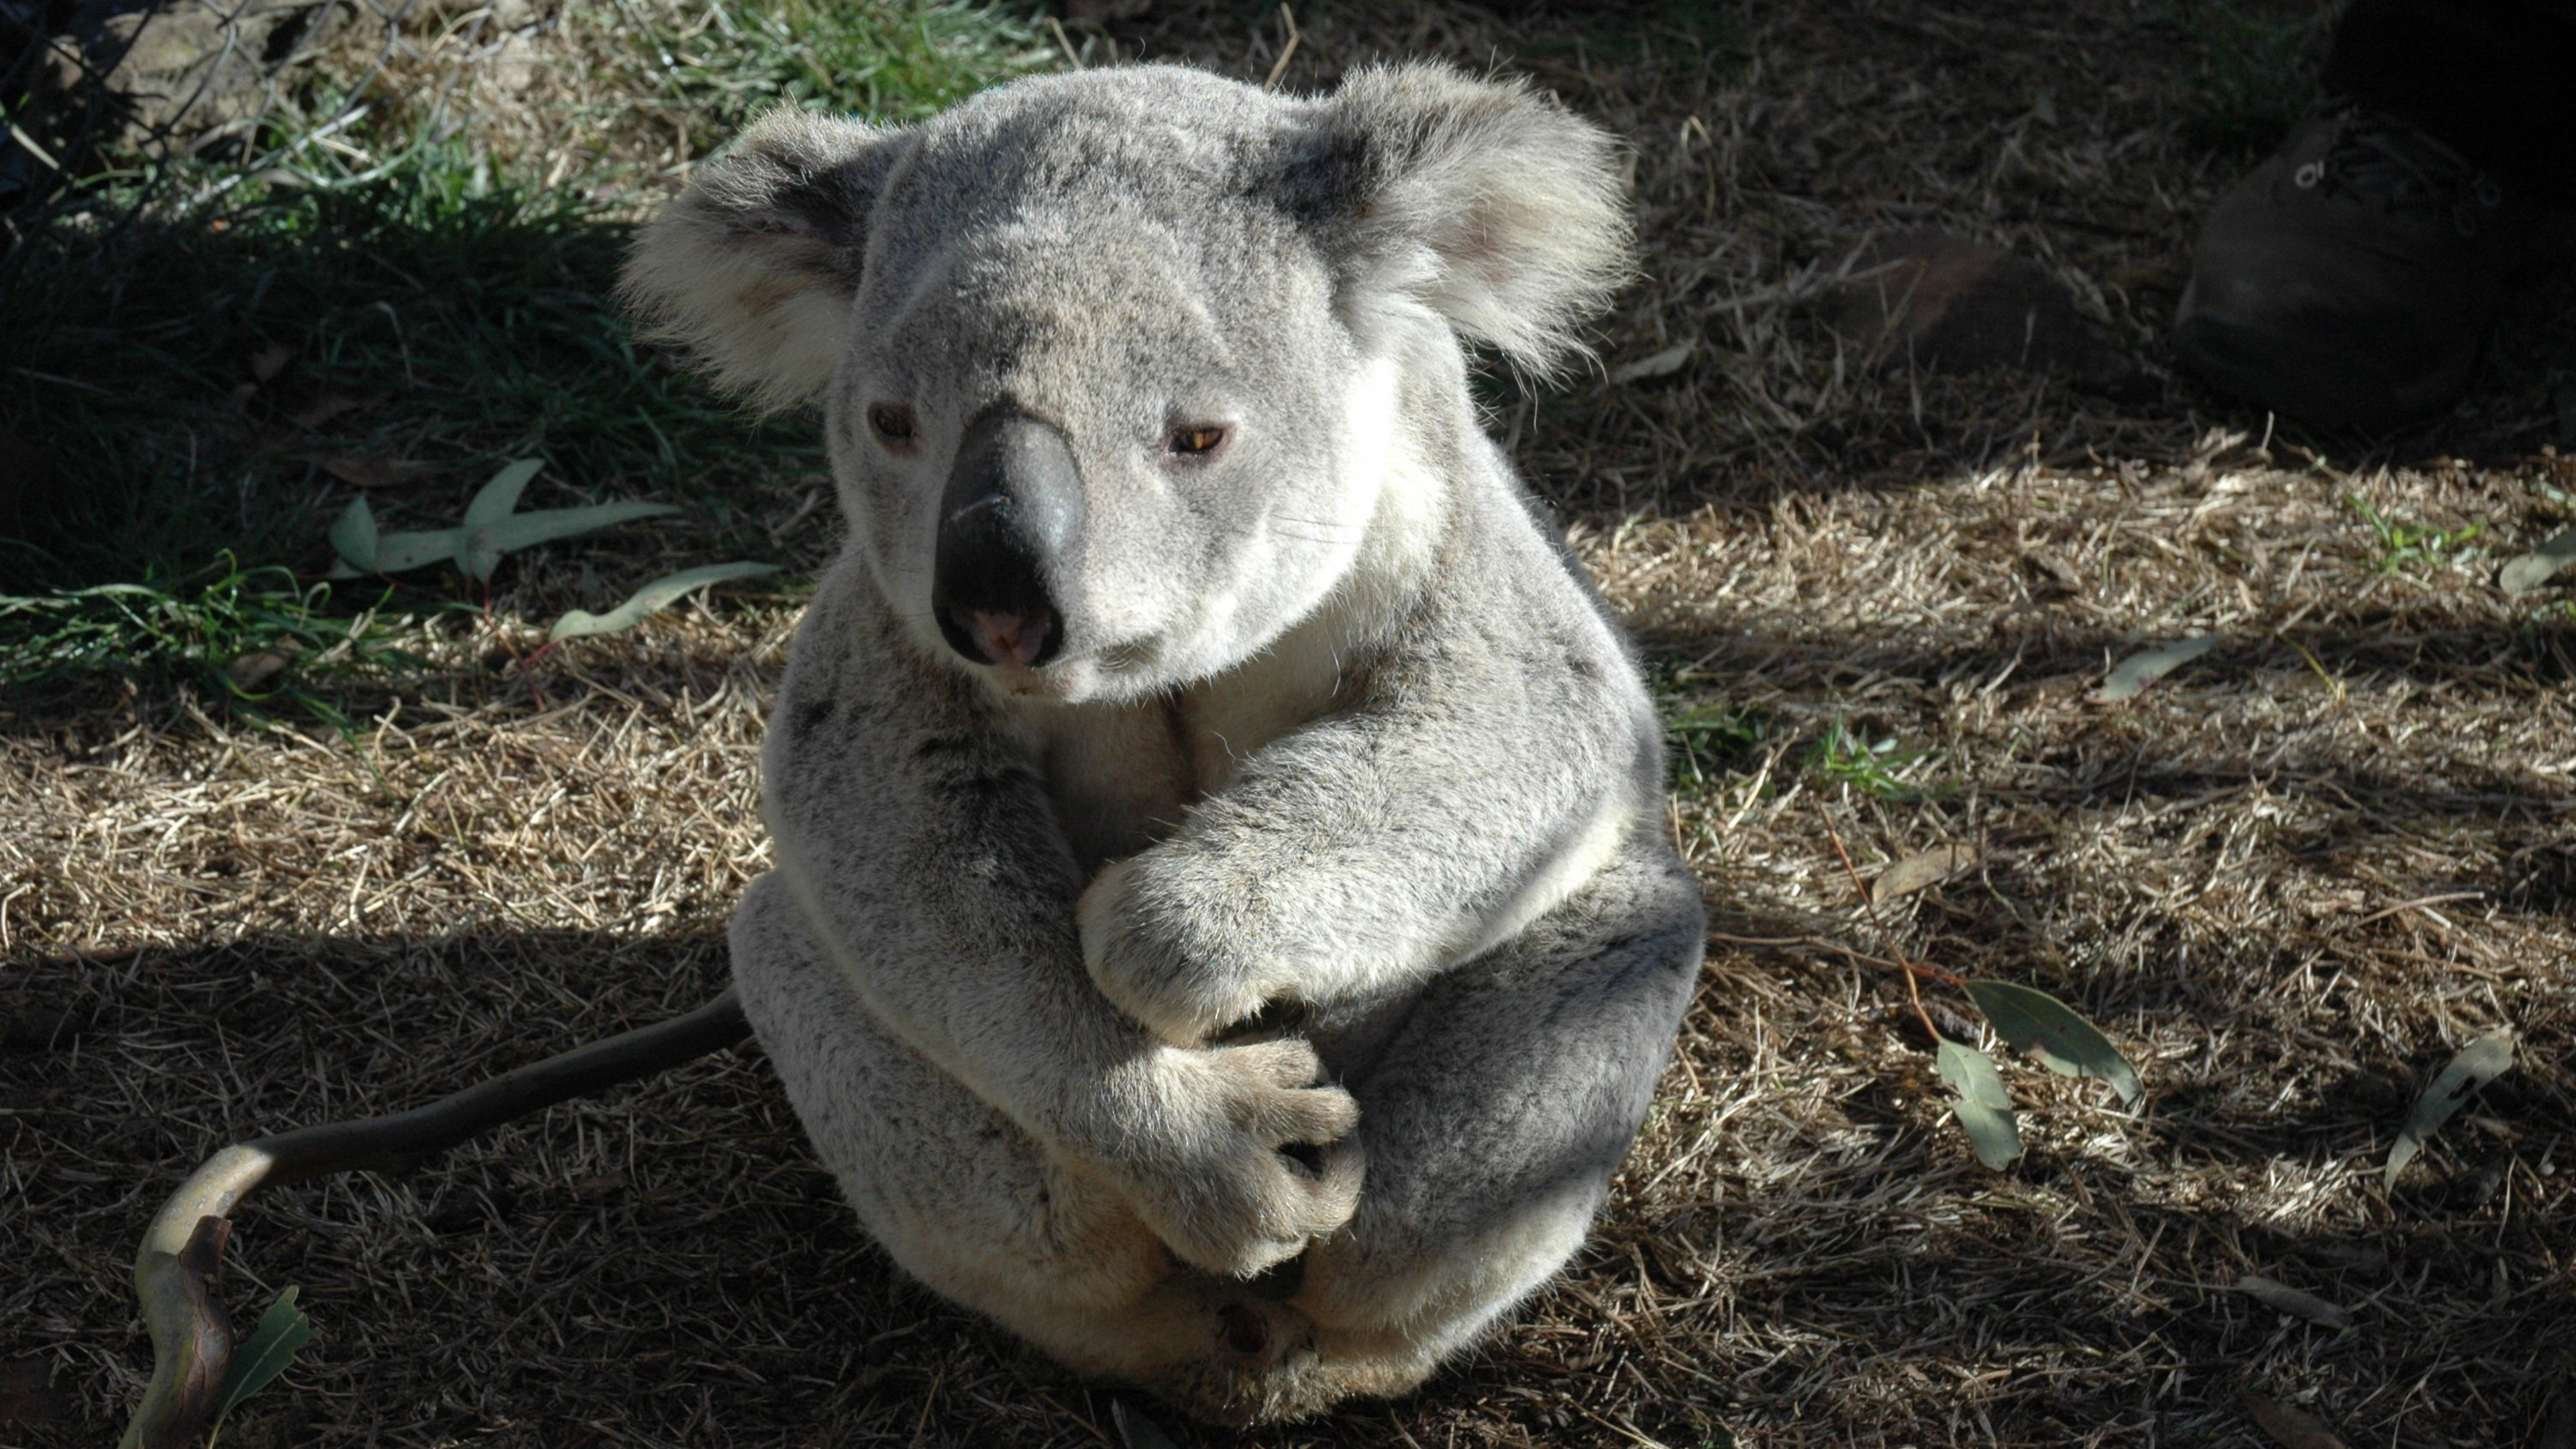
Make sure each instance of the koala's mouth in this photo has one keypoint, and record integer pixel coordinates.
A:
(1076, 674)
(1021, 639)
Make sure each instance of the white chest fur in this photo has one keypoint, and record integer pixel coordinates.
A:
(1123, 775)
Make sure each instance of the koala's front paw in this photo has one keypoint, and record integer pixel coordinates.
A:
(1209, 1176)
(1164, 957)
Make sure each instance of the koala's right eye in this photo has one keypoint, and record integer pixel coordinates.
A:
(1198, 441)
(893, 424)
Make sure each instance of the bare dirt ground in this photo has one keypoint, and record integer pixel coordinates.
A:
(2289, 881)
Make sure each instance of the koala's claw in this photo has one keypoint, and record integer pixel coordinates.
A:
(1229, 1200)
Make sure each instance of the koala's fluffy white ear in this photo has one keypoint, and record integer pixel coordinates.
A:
(1483, 200)
(755, 266)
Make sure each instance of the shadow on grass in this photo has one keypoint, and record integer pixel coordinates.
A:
(673, 1247)
(186, 408)
(223, 382)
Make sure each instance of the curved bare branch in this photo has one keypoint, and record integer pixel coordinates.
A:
(173, 1272)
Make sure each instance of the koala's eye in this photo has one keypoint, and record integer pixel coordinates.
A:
(891, 422)
(1196, 441)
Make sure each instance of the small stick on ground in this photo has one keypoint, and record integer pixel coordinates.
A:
(1913, 968)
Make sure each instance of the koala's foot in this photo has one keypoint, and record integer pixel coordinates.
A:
(1258, 1350)
(1310, 1373)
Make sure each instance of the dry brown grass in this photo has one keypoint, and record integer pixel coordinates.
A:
(2289, 881)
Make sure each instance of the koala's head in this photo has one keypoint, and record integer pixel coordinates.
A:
(1111, 361)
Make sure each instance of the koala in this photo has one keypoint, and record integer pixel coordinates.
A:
(1223, 924)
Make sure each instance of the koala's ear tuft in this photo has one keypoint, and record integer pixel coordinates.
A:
(1483, 200)
(755, 266)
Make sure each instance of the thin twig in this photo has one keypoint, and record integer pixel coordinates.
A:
(1287, 52)
(1064, 43)
(1913, 969)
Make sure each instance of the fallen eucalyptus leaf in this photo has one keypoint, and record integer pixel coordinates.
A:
(2131, 676)
(1920, 870)
(28, 1397)
(2281, 1298)
(353, 536)
(2290, 1428)
(269, 361)
(2475, 1065)
(2050, 1031)
(1653, 365)
(272, 1345)
(652, 599)
(2537, 567)
(1982, 1105)
(497, 499)
(484, 544)
(247, 672)
(323, 407)
(401, 552)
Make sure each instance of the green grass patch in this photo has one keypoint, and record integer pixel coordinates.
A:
(1705, 743)
(2404, 544)
(417, 325)
(1881, 769)
(901, 61)
(260, 638)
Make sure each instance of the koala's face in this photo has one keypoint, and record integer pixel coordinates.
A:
(1110, 362)
(1098, 425)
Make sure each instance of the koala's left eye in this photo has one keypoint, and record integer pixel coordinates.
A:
(892, 423)
(1196, 442)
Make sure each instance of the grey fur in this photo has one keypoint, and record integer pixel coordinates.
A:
(1338, 739)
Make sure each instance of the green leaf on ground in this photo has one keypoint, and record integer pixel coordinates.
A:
(2131, 676)
(1982, 1105)
(2478, 1063)
(496, 500)
(272, 1345)
(353, 536)
(490, 529)
(2049, 1030)
(485, 543)
(401, 552)
(652, 599)
(2540, 565)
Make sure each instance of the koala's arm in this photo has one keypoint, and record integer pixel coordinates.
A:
(920, 847)
(1498, 753)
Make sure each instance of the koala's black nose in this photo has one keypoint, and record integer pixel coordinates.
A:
(1012, 508)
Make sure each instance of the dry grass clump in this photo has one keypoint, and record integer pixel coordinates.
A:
(2289, 881)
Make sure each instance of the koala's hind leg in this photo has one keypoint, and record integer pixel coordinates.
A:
(1493, 1120)
(968, 1203)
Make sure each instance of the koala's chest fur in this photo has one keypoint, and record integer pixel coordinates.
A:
(1123, 775)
